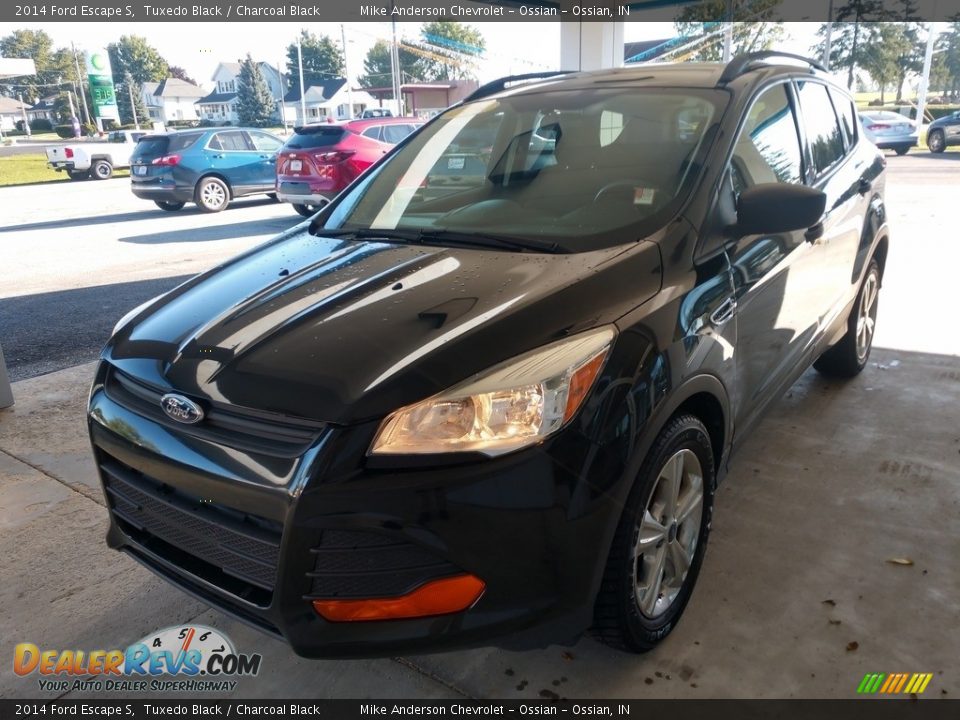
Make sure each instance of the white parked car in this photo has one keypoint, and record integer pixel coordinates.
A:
(95, 159)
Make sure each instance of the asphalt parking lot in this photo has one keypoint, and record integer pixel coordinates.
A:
(798, 597)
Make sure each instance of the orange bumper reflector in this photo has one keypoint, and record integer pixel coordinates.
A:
(437, 597)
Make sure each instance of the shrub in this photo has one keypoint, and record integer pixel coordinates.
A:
(64, 131)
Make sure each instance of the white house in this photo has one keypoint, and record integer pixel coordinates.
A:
(221, 104)
(327, 101)
(171, 99)
(11, 112)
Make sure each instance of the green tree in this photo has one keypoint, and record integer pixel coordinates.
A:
(125, 88)
(948, 58)
(753, 27)
(133, 54)
(322, 60)
(175, 71)
(460, 47)
(53, 66)
(377, 69)
(255, 103)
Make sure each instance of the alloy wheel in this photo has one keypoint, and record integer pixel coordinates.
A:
(867, 315)
(213, 194)
(667, 534)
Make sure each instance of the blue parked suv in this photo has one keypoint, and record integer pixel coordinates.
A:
(208, 167)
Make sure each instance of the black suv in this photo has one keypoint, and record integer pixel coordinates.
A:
(498, 414)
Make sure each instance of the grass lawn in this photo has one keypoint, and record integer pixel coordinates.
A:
(28, 169)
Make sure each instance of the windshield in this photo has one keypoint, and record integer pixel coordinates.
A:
(576, 168)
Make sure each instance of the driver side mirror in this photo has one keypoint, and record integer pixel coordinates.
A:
(771, 208)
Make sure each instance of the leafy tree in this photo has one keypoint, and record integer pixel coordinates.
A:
(322, 60)
(885, 46)
(255, 102)
(178, 72)
(948, 58)
(462, 44)
(53, 66)
(125, 88)
(133, 54)
(377, 68)
(753, 26)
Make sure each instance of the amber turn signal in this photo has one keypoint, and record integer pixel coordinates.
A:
(437, 597)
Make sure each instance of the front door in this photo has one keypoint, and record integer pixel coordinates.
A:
(775, 276)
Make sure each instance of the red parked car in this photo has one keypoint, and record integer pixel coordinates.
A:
(318, 161)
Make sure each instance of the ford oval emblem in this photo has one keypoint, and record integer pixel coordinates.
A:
(181, 409)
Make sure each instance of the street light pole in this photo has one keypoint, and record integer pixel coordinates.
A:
(133, 107)
(346, 72)
(925, 78)
(303, 101)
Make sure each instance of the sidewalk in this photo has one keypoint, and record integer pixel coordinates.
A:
(837, 480)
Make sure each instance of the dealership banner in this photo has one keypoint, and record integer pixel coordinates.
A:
(123, 11)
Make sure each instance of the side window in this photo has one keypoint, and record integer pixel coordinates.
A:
(768, 149)
(820, 122)
(231, 141)
(395, 133)
(848, 115)
(374, 133)
(263, 142)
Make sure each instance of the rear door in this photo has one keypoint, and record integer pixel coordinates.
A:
(839, 171)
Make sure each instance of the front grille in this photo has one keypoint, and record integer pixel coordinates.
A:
(234, 550)
(241, 428)
(354, 564)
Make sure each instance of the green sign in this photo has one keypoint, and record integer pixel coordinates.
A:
(102, 91)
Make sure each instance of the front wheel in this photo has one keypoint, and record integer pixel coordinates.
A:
(169, 206)
(849, 356)
(936, 141)
(212, 195)
(102, 170)
(660, 542)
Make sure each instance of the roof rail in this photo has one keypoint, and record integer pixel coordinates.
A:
(741, 63)
(496, 86)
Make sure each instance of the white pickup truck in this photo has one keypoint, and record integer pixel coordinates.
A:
(95, 159)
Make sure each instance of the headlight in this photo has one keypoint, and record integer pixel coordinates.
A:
(510, 406)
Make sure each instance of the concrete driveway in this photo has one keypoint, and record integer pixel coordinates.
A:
(798, 597)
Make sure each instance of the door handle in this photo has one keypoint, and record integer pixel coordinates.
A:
(864, 186)
(724, 312)
(219, 156)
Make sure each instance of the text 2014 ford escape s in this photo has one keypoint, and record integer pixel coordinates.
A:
(498, 414)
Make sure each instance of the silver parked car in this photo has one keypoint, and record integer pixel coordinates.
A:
(890, 130)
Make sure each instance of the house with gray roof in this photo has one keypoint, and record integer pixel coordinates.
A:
(171, 99)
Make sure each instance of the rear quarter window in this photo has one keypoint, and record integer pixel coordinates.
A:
(847, 112)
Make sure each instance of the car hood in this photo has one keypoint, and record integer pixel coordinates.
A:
(344, 331)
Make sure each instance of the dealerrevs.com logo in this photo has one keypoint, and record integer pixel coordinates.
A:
(192, 658)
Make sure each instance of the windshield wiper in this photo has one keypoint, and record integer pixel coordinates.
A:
(423, 236)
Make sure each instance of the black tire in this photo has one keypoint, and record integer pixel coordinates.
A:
(168, 205)
(936, 141)
(901, 150)
(849, 356)
(78, 174)
(101, 170)
(619, 620)
(212, 194)
(306, 210)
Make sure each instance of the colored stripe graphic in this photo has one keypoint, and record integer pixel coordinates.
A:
(894, 683)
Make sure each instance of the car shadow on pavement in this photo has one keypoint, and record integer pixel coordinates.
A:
(266, 226)
(148, 213)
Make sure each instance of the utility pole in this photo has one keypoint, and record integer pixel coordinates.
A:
(346, 72)
(395, 64)
(83, 95)
(280, 105)
(925, 78)
(303, 101)
(728, 32)
(73, 110)
(133, 107)
(828, 37)
(23, 110)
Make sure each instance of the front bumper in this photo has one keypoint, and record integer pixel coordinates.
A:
(260, 530)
